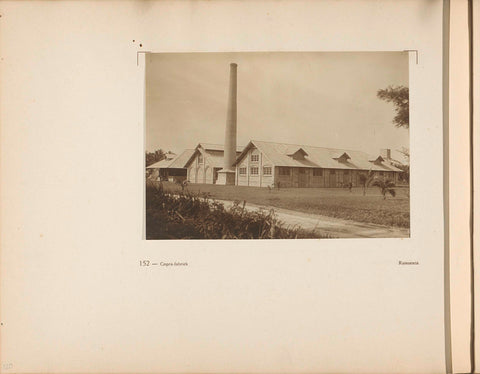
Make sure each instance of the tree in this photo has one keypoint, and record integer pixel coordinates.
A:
(152, 157)
(365, 180)
(385, 187)
(406, 153)
(405, 174)
(399, 97)
(403, 165)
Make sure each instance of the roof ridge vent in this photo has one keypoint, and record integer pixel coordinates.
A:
(344, 157)
(299, 154)
(378, 160)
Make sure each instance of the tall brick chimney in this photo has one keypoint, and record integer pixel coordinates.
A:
(227, 174)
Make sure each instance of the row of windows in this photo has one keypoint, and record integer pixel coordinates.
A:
(318, 172)
(286, 171)
(267, 170)
(253, 158)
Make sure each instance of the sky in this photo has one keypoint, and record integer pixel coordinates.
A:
(325, 99)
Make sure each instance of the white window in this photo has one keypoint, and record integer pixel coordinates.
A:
(253, 170)
(267, 170)
(242, 171)
(254, 158)
(200, 159)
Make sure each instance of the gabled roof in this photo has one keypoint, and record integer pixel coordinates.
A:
(170, 155)
(343, 157)
(216, 147)
(213, 154)
(379, 159)
(214, 159)
(320, 157)
(177, 162)
(299, 154)
(181, 160)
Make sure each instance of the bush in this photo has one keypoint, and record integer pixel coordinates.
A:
(183, 215)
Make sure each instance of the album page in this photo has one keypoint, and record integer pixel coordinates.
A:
(223, 186)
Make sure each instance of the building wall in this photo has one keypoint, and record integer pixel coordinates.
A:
(251, 172)
(208, 175)
(192, 171)
(260, 172)
(387, 175)
(255, 170)
(317, 180)
(199, 171)
(330, 178)
(300, 177)
(189, 174)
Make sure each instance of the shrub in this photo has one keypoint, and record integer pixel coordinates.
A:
(184, 215)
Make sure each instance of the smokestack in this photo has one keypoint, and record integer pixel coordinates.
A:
(230, 153)
(227, 174)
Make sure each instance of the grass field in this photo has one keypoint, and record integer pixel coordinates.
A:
(331, 202)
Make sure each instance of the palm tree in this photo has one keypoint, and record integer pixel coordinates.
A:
(385, 187)
(365, 180)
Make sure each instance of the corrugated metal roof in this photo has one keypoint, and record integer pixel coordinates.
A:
(213, 154)
(319, 157)
(177, 162)
(160, 164)
(181, 160)
(214, 159)
(217, 147)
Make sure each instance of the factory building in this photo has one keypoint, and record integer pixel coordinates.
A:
(268, 164)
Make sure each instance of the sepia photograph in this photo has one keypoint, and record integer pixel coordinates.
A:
(280, 145)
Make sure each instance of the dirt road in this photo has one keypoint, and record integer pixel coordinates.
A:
(335, 227)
